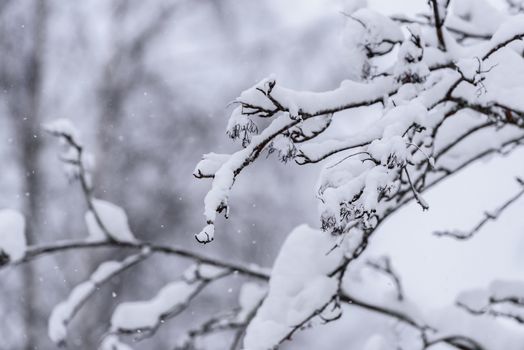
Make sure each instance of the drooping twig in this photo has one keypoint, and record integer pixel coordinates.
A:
(423, 204)
(83, 177)
(383, 265)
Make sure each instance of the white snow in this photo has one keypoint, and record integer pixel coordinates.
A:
(146, 315)
(111, 342)
(209, 164)
(251, 294)
(298, 286)
(202, 271)
(63, 312)
(498, 290)
(367, 31)
(113, 218)
(12, 234)
(61, 127)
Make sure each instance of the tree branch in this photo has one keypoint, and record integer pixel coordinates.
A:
(488, 216)
(37, 251)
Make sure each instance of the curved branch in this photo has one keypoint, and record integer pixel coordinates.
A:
(37, 251)
(488, 216)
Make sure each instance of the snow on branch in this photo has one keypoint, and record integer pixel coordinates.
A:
(501, 299)
(300, 287)
(368, 34)
(104, 220)
(414, 109)
(250, 298)
(64, 312)
(143, 318)
(111, 218)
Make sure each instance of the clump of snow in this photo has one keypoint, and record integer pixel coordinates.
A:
(299, 285)
(63, 128)
(251, 294)
(209, 164)
(501, 289)
(111, 342)
(65, 311)
(368, 33)
(241, 126)
(284, 147)
(202, 272)
(376, 342)
(511, 29)
(497, 291)
(207, 234)
(410, 67)
(12, 235)
(146, 315)
(476, 16)
(350, 188)
(114, 220)
(474, 299)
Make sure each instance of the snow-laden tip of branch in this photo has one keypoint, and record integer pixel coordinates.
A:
(76, 162)
(114, 223)
(64, 312)
(209, 165)
(250, 299)
(207, 235)
(63, 128)
(216, 200)
(299, 287)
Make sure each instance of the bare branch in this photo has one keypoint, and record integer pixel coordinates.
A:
(439, 20)
(383, 265)
(466, 344)
(37, 251)
(488, 216)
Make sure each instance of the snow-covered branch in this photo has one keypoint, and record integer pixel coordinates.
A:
(64, 312)
(501, 299)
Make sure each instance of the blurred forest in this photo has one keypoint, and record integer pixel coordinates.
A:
(148, 84)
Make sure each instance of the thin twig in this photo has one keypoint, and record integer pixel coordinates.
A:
(488, 216)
